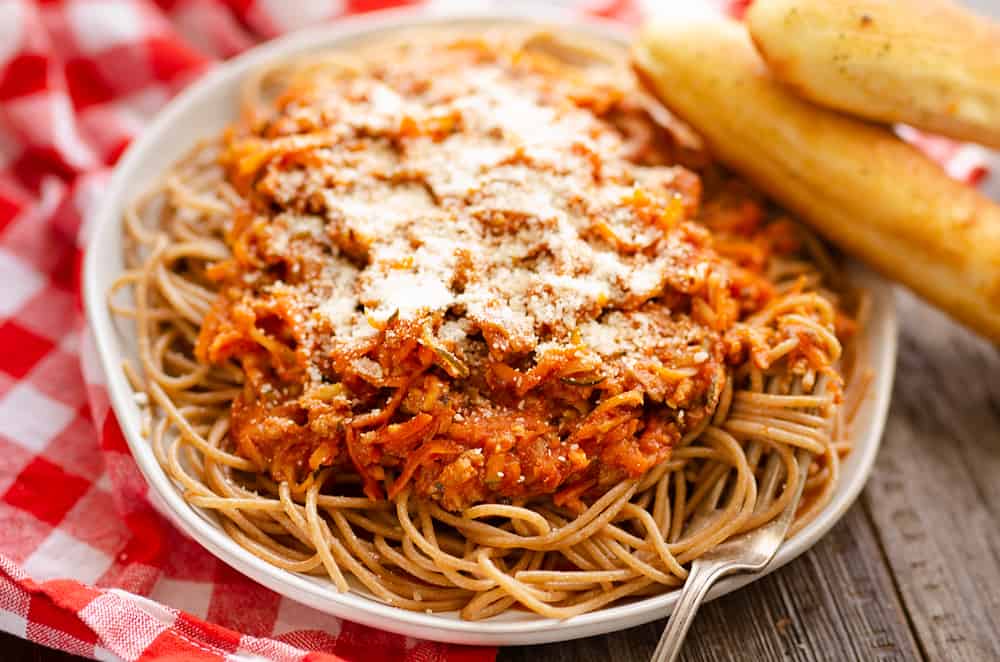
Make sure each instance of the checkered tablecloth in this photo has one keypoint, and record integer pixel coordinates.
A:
(86, 565)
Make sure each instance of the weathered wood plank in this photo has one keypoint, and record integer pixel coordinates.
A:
(837, 602)
(934, 496)
(14, 649)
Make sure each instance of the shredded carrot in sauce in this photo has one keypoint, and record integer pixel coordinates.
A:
(483, 278)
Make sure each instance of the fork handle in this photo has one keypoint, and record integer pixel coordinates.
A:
(700, 579)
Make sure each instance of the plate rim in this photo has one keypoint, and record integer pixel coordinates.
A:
(165, 496)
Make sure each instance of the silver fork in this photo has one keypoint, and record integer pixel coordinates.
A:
(747, 552)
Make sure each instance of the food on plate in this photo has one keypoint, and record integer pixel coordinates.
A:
(856, 183)
(929, 63)
(444, 319)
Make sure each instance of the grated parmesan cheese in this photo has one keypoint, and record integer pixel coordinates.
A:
(486, 219)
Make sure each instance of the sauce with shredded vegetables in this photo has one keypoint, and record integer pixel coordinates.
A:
(480, 275)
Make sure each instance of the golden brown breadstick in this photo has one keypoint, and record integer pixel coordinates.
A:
(859, 185)
(928, 63)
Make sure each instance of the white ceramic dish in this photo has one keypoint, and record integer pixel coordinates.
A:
(203, 110)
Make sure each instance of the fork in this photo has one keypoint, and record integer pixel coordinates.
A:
(746, 552)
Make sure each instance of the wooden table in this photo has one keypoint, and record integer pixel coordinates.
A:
(913, 569)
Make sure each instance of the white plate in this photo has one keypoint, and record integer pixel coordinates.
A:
(203, 110)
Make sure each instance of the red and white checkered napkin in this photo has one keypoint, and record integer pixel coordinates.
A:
(85, 564)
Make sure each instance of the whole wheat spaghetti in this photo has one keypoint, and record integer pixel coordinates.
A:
(447, 321)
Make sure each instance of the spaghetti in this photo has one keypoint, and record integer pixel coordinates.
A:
(450, 323)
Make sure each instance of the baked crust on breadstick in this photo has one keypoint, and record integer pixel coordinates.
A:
(929, 63)
(856, 183)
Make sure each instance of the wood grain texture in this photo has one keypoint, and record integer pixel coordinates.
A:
(13, 649)
(934, 495)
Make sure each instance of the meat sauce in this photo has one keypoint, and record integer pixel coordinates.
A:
(473, 271)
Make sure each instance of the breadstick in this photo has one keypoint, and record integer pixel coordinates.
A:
(856, 183)
(928, 63)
